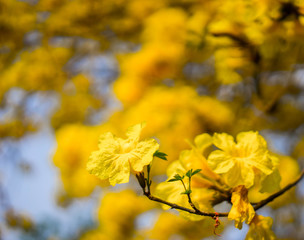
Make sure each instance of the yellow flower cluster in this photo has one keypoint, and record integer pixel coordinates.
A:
(234, 167)
(160, 57)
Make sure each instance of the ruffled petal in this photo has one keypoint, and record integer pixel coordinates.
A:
(133, 132)
(250, 142)
(220, 162)
(260, 228)
(105, 165)
(224, 141)
(241, 209)
(203, 141)
(142, 155)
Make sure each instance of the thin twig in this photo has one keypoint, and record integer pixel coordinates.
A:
(175, 206)
(192, 204)
(214, 214)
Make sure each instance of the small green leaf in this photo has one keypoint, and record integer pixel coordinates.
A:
(187, 192)
(160, 155)
(173, 180)
(196, 171)
(189, 173)
(177, 177)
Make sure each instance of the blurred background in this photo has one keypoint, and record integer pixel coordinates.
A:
(73, 69)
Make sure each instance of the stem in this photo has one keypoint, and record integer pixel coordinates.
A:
(148, 178)
(189, 197)
(175, 206)
(184, 184)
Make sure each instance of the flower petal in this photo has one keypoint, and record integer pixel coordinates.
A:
(224, 141)
(220, 162)
(241, 209)
(250, 142)
(239, 174)
(260, 228)
(105, 164)
(133, 132)
(109, 142)
(203, 141)
(271, 182)
(142, 155)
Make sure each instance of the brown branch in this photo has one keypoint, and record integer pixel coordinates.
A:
(215, 214)
(279, 193)
(192, 204)
(175, 206)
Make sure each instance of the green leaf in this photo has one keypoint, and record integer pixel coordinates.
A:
(196, 171)
(173, 180)
(187, 192)
(160, 155)
(189, 173)
(177, 177)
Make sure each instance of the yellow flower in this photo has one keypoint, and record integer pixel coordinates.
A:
(260, 228)
(195, 159)
(116, 156)
(239, 162)
(241, 208)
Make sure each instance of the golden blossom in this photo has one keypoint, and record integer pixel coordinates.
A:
(239, 162)
(116, 157)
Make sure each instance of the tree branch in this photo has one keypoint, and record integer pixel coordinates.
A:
(175, 206)
(225, 214)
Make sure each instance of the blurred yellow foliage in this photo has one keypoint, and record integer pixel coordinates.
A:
(37, 70)
(15, 129)
(186, 68)
(169, 226)
(118, 211)
(75, 143)
(172, 112)
(16, 18)
(76, 103)
(153, 63)
(260, 228)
